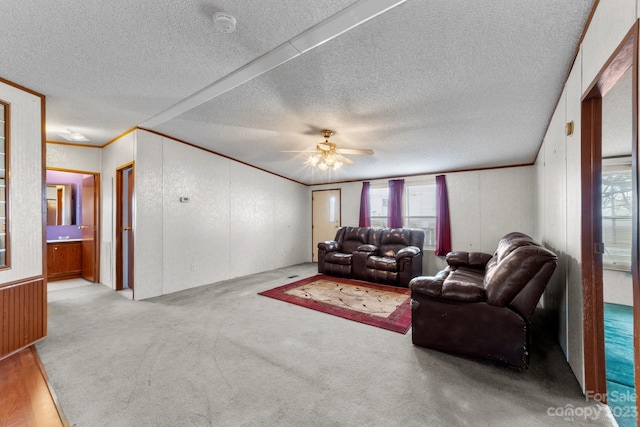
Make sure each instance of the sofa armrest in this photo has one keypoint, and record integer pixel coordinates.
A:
(329, 245)
(463, 291)
(408, 251)
(477, 260)
(429, 285)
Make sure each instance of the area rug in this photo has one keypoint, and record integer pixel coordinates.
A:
(383, 306)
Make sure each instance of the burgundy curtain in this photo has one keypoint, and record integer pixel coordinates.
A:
(443, 227)
(396, 187)
(365, 210)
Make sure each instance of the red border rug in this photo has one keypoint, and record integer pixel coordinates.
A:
(386, 307)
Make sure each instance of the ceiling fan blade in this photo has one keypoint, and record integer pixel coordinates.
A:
(363, 151)
(345, 160)
(297, 151)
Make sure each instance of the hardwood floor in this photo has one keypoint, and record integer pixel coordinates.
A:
(25, 396)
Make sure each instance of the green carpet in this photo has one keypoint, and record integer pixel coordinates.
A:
(618, 337)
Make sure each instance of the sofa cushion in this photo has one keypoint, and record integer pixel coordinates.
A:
(354, 237)
(338, 258)
(382, 263)
(394, 239)
(464, 284)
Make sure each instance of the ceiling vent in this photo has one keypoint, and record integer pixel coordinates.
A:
(224, 22)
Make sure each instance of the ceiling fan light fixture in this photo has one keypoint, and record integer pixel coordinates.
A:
(324, 160)
(328, 156)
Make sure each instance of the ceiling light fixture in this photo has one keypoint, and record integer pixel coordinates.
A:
(70, 135)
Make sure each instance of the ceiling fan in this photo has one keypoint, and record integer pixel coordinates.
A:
(328, 156)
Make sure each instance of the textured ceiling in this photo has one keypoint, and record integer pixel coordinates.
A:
(430, 86)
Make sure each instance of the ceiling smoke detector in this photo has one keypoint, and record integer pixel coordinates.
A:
(224, 22)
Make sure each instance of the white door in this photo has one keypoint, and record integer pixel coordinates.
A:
(326, 217)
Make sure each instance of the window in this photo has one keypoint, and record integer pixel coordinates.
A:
(379, 204)
(616, 215)
(418, 210)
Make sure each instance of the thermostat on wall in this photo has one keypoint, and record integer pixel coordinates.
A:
(184, 200)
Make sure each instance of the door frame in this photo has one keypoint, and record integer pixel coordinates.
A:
(625, 56)
(119, 285)
(96, 214)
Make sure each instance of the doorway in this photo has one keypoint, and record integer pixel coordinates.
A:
(599, 249)
(125, 199)
(325, 217)
(73, 199)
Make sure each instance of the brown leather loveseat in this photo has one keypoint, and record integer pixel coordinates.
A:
(390, 256)
(481, 305)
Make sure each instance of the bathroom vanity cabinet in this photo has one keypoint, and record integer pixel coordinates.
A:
(64, 260)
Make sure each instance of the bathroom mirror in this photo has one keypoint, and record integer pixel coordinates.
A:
(60, 204)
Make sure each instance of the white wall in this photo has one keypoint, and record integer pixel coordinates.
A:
(558, 177)
(553, 158)
(239, 220)
(610, 23)
(149, 226)
(78, 158)
(617, 287)
(484, 206)
(571, 259)
(114, 155)
(26, 220)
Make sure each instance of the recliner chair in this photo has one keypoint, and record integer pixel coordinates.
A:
(481, 305)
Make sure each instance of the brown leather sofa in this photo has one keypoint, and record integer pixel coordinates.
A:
(481, 305)
(390, 256)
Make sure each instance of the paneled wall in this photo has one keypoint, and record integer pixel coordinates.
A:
(22, 294)
(573, 299)
(238, 221)
(23, 314)
(114, 155)
(558, 176)
(64, 156)
(484, 206)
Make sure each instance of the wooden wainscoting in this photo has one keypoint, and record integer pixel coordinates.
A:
(23, 314)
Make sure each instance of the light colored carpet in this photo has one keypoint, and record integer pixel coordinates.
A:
(223, 355)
